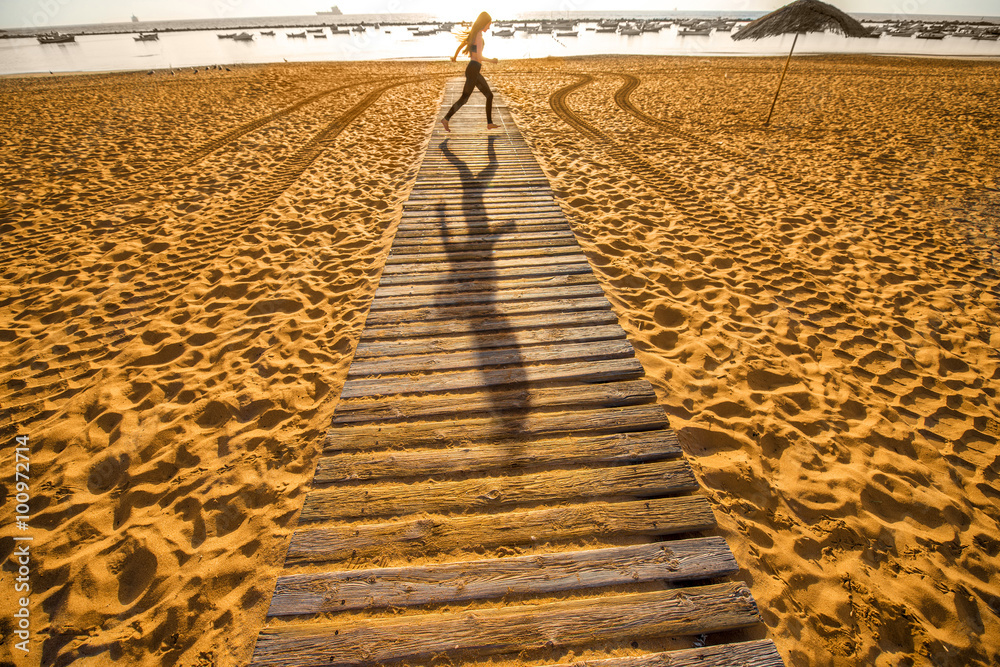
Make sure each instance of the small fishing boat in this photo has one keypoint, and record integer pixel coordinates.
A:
(147, 37)
(56, 38)
(314, 30)
(296, 34)
(321, 35)
(267, 33)
(630, 30)
(930, 35)
(243, 37)
(228, 35)
(503, 33)
(567, 33)
(695, 32)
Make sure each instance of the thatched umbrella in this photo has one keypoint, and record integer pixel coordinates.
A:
(799, 17)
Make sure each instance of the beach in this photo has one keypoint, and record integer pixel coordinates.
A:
(189, 258)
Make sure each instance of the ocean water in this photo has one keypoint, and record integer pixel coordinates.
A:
(196, 43)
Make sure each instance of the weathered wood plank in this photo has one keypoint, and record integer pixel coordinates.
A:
(497, 285)
(566, 256)
(678, 560)
(479, 244)
(488, 357)
(493, 493)
(496, 238)
(575, 264)
(470, 312)
(577, 372)
(483, 206)
(758, 653)
(491, 295)
(482, 194)
(509, 220)
(445, 230)
(387, 348)
(402, 408)
(489, 256)
(628, 418)
(436, 534)
(483, 325)
(408, 408)
(621, 448)
(685, 611)
(533, 180)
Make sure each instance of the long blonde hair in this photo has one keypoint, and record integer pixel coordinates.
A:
(483, 20)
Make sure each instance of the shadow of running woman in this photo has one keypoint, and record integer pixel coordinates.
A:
(475, 240)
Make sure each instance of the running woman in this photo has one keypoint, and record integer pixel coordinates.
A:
(472, 43)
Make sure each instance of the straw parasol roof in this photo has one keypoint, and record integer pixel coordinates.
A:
(799, 17)
(802, 16)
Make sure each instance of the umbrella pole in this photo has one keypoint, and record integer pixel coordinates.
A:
(783, 72)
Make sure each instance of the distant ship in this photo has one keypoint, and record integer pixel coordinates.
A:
(335, 11)
(135, 19)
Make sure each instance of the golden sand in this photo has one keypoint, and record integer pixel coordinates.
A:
(816, 304)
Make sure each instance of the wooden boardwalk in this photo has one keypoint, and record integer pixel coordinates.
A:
(499, 482)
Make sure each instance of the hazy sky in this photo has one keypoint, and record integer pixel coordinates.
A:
(39, 13)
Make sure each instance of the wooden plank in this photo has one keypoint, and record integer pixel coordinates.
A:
(484, 325)
(589, 449)
(531, 180)
(500, 205)
(487, 255)
(470, 312)
(542, 214)
(678, 560)
(576, 372)
(478, 193)
(501, 285)
(493, 493)
(574, 255)
(400, 408)
(445, 231)
(483, 222)
(436, 534)
(435, 345)
(463, 274)
(685, 611)
(453, 224)
(496, 243)
(758, 653)
(491, 295)
(486, 357)
(496, 237)
(627, 418)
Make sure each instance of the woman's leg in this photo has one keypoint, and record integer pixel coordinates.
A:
(484, 87)
(470, 84)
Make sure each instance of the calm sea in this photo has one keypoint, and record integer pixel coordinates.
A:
(196, 43)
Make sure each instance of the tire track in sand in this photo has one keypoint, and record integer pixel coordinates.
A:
(918, 242)
(123, 321)
(727, 229)
(42, 232)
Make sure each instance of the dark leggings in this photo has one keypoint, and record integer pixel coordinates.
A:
(473, 79)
